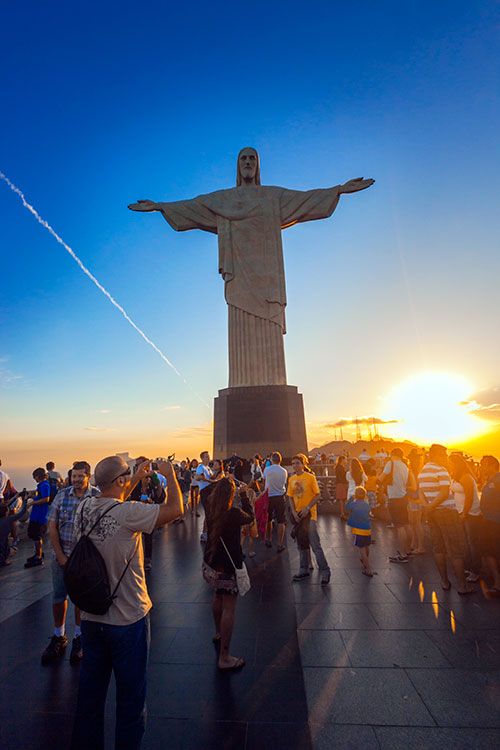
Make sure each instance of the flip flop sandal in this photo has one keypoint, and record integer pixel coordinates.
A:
(237, 665)
(365, 573)
(464, 593)
(446, 588)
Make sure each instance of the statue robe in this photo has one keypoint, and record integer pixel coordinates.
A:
(248, 221)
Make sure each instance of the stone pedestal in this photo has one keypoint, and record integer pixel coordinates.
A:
(259, 419)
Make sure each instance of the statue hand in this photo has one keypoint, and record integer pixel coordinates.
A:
(353, 186)
(143, 205)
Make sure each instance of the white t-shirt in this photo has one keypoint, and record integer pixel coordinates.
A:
(203, 471)
(118, 539)
(275, 477)
(400, 473)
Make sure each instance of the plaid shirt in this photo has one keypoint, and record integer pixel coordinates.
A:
(62, 512)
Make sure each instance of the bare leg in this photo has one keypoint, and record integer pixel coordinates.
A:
(404, 539)
(269, 531)
(342, 508)
(493, 569)
(459, 568)
(39, 548)
(217, 612)
(59, 611)
(226, 631)
(440, 560)
(281, 534)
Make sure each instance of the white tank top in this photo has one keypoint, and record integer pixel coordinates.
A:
(458, 493)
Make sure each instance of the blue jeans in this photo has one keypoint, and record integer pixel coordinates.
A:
(124, 650)
(316, 547)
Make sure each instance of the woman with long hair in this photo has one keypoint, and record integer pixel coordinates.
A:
(194, 493)
(223, 548)
(464, 489)
(356, 477)
(341, 485)
(217, 470)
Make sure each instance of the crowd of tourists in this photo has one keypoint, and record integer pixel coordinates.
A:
(244, 503)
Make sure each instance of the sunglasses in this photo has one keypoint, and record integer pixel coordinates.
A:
(123, 474)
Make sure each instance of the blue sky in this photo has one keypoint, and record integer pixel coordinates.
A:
(104, 105)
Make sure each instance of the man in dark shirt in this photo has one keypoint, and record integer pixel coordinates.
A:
(490, 510)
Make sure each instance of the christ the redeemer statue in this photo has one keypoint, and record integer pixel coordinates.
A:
(248, 220)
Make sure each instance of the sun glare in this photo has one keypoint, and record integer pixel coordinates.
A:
(430, 408)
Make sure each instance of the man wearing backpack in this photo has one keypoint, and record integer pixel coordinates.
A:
(61, 520)
(118, 640)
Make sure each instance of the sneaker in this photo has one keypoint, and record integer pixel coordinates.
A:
(55, 650)
(147, 563)
(399, 558)
(268, 543)
(281, 547)
(325, 578)
(76, 651)
(251, 554)
(33, 562)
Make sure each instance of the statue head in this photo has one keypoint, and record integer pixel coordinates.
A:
(248, 167)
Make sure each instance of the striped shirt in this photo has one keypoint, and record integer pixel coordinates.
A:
(431, 480)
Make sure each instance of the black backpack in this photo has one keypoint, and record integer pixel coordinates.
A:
(86, 577)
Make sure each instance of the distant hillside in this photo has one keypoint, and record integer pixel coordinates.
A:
(336, 447)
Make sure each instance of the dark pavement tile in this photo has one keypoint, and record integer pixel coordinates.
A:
(469, 650)
(430, 738)
(459, 697)
(215, 735)
(363, 696)
(334, 616)
(190, 646)
(476, 615)
(410, 617)
(50, 689)
(161, 734)
(188, 615)
(392, 648)
(322, 648)
(161, 639)
(43, 730)
(343, 737)
(177, 593)
(247, 695)
(363, 592)
(276, 648)
(271, 736)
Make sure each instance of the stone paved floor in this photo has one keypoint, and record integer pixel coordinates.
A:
(360, 664)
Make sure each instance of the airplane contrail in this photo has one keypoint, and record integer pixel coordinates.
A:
(91, 276)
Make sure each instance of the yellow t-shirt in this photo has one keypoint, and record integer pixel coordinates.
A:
(302, 488)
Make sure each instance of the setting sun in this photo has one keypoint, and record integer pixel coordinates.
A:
(430, 408)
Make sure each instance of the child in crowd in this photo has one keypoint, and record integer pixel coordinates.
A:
(361, 526)
(37, 525)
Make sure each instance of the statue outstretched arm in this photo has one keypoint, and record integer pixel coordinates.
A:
(182, 215)
(144, 205)
(299, 205)
(355, 185)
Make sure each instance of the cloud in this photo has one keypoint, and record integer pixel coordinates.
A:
(100, 429)
(9, 378)
(485, 404)
(190, 432)
(104, 411)
(351, 421)
(171, 408)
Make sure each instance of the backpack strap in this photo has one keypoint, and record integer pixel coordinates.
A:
(113, 595)
(99, 519)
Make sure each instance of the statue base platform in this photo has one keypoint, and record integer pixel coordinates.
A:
(259, 419)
